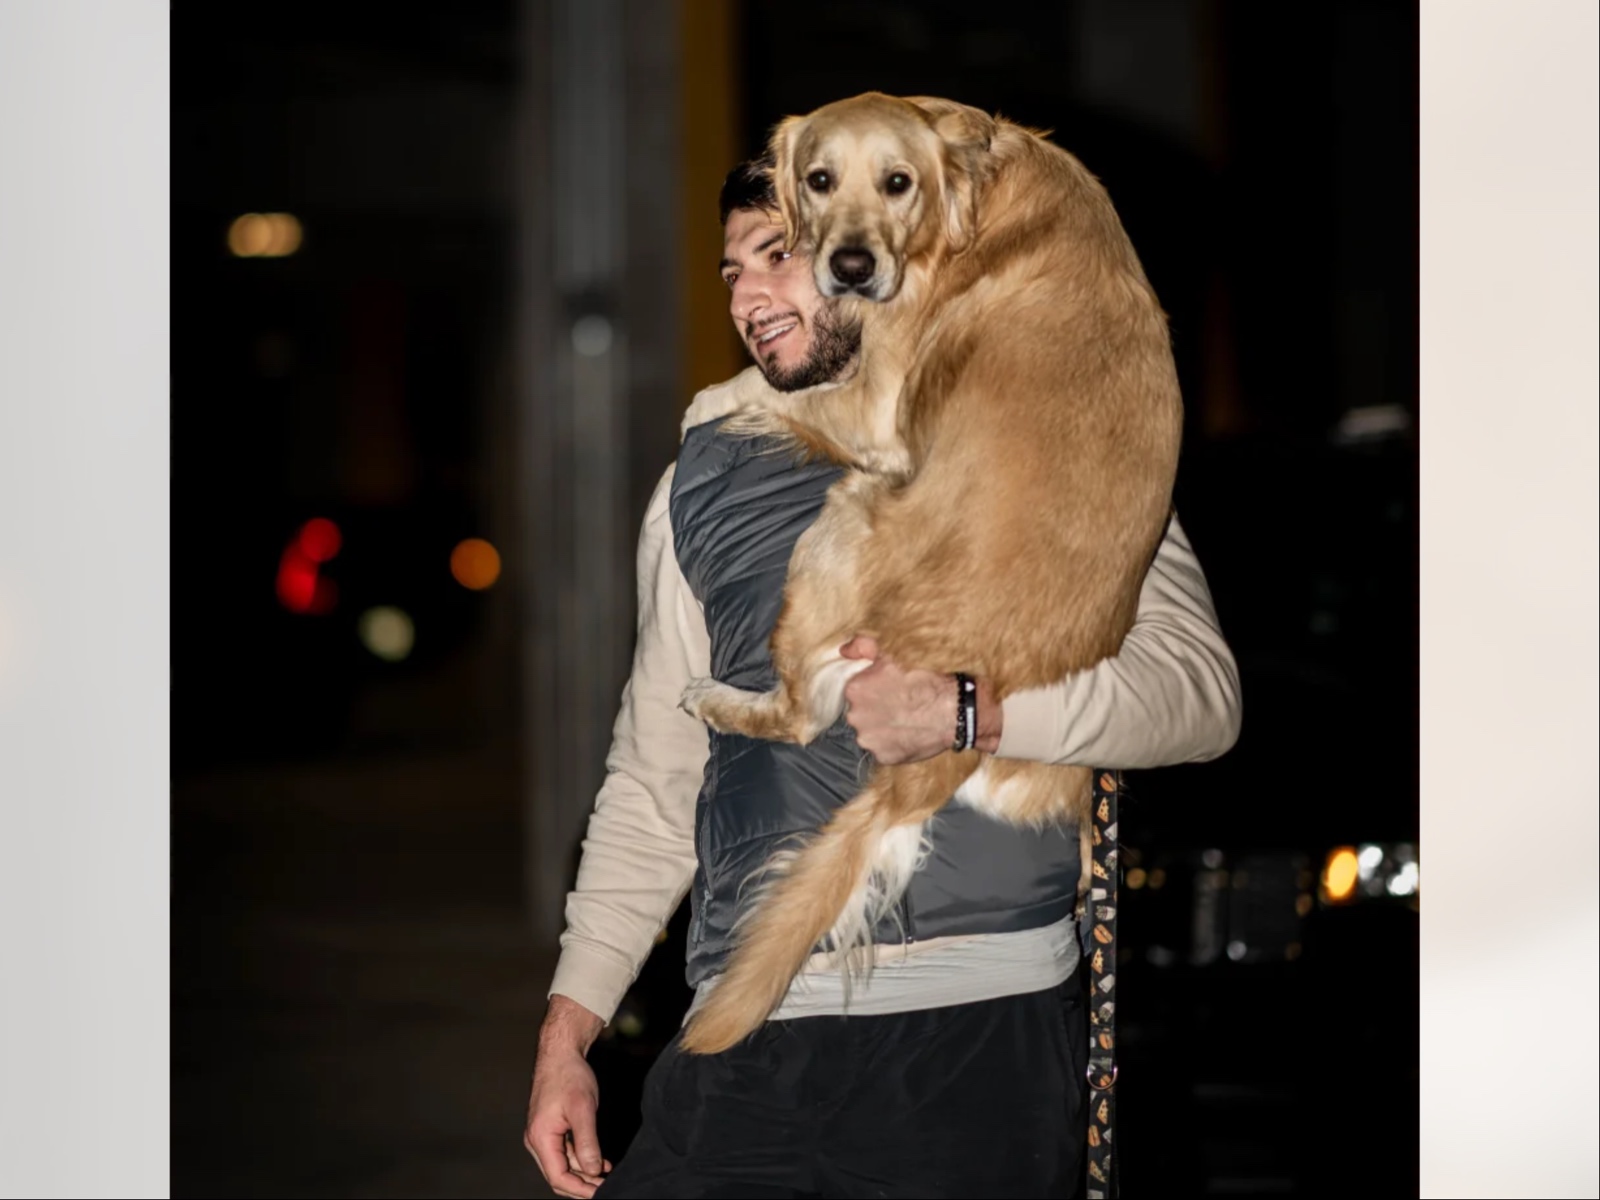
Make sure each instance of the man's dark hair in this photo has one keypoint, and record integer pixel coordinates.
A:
(748, 186)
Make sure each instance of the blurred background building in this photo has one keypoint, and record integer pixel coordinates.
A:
(443, 282)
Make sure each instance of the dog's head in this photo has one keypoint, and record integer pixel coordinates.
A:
(869, 184)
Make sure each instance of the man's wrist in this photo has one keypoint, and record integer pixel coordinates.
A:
(568, 1025)
(991, 719)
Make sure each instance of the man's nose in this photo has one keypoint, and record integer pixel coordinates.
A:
(748, 299)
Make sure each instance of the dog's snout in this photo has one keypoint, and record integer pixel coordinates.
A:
(852, 266)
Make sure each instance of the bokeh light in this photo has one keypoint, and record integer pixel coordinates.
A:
(297, 581)
(301, 587)
(265, 235)
(388, 632)
(1339, 875)
(320, 539)
(475, 564)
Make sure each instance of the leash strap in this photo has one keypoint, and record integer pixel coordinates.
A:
(1102, 1071)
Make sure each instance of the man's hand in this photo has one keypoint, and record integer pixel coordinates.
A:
(563, 1102)
(904, 715)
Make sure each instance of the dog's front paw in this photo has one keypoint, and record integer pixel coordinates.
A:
(728, 709)
(706, 700)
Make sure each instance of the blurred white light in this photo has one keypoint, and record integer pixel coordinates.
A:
(591, 335)
(1370, 858)
(1212, 858)
(1237, 950)
(387, 632)
(1372, 423)
(1404, 881)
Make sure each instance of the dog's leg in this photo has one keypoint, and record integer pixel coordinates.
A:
(820, 610)
(746, 390)
(831, 885)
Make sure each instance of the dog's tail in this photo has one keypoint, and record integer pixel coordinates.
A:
(819, 892)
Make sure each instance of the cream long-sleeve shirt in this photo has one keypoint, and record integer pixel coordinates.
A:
(1170, 695)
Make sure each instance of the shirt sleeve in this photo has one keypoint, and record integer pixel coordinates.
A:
(1170, 695)
(638, 852)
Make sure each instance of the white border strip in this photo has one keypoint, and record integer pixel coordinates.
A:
(84, 1048)
(1510, 396)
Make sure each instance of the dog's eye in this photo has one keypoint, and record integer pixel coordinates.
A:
(897, 183)
(819, 181)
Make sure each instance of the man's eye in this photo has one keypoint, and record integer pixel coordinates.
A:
(730, 280)
(779, 256)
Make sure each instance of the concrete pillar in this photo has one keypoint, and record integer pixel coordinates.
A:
(599, 371)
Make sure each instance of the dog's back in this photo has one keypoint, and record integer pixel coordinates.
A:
(1044, 418)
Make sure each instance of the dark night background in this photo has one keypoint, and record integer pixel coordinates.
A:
(369, 854)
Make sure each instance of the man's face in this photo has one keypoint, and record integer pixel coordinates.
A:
(785, 323)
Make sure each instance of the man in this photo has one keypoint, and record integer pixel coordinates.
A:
(959, 1068)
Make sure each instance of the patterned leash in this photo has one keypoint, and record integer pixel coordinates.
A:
(1102, 1071)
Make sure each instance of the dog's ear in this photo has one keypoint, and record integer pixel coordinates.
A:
(957, 124)
(781, 148)
(965, 134)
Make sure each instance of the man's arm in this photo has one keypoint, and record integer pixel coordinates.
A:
(1170, 694)
(638, 861)
(638, 854)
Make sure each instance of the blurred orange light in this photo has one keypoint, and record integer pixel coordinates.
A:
(475, 564)
(320, 539)
(264, 235)
(250, 236)
(1339, 875)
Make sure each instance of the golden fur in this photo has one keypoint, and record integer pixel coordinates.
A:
(1014, 426)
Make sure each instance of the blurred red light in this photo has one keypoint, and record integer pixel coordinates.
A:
(297, 581)
(319, 539)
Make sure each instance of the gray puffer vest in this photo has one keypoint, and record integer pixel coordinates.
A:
(736, 515)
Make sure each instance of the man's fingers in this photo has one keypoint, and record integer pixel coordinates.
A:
(548, 1145)
(586, 1143)
(578, 1169)
(860, 647)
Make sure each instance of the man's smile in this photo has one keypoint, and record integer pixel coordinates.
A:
(772, 332)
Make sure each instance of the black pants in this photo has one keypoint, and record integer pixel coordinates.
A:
(974, 1100)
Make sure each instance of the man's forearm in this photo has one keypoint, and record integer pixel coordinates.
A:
(1170, 695)
(568, 1026)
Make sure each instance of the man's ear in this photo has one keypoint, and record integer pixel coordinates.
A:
(781, 146)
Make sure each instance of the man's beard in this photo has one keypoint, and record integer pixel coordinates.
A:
(834, 342)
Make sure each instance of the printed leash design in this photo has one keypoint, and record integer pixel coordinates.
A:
(1102, 1183)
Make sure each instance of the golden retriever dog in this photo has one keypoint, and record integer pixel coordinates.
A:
(1013, 428)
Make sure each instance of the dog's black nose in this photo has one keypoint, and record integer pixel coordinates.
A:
(853, 267)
